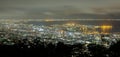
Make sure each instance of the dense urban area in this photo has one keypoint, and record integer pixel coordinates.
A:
(66, 40)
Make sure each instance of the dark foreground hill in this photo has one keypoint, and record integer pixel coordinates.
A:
(60, 50)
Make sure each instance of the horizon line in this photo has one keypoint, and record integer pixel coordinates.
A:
(59, 19)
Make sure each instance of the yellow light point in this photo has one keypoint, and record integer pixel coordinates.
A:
(106, 28)
(48, 20)
(71, 24)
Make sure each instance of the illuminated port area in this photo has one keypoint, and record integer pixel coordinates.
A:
(80, 38)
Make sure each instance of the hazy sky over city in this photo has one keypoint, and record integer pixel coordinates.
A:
(37, 9)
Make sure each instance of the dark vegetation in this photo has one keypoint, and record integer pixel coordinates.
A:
(25, 48)
(60, 50)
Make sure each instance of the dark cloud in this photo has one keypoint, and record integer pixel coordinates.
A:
(34, 9)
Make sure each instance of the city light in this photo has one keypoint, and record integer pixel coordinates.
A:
(48, 20)
(61, 31)
(69, 33)
(106, 28)
(70, 24)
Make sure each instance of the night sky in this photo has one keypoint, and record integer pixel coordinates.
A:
(36, 9)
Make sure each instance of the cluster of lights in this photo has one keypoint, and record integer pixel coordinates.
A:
(70, 24)
(105, 28)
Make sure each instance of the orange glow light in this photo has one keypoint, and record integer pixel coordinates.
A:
(106, 28)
